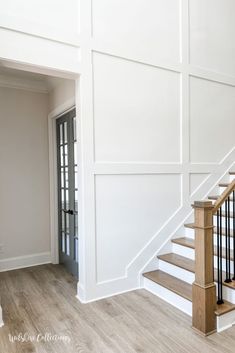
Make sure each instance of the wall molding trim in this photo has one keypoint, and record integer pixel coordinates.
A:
(15, 263)
(30, 28)
(180, 67)
(57, 56)
(159, 241)
(24, 84)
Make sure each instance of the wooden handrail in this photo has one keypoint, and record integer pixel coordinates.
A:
(224, 196)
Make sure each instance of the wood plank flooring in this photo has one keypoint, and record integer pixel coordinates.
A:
(41, 300)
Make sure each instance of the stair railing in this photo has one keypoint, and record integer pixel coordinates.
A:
(204, 298)
(224, 208)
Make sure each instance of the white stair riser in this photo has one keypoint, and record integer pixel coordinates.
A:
(189, 232)
(176, 271)
(221, 189)
(168, 296)
(231, 178)
(225, 321)
(183, 251)
(190, 253)
(223, 264)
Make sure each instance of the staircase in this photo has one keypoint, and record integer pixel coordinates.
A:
(173, 278)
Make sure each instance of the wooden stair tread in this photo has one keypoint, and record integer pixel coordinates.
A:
(189, 265)
(213, 197)
(232, 173)
(189, 243)
(183, 289)
(179, 261)
(191, 226)
(184, 241)
(170, 282)
(224, 308)
(224, 185)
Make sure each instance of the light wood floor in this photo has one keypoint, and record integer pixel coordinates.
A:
(42, 299)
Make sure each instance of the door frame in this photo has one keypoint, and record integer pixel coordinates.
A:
(53, 175)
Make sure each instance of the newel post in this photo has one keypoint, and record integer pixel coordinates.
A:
(204, 289)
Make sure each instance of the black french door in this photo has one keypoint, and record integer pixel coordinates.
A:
(68, 191)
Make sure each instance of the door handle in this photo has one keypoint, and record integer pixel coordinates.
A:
(68, 211)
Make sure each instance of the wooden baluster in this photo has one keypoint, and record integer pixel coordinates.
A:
(204, 289)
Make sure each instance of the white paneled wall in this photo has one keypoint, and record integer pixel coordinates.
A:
(212, 29)
(44, 17)
(157, 94)
(212, 107)
(44, 35)
(195, 180)
(126, 131)
(133, 25)
(130, 208)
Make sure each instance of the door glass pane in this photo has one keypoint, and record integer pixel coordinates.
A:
(61, 134)
(76, 201)
(65, 132)
(62, 177)
(75, 153)
(67, 223)
(67, 199)
(66, 154)
(66, 177)
(67, 245)
(62, 199)
(76, 225)
(63, 242)
(62, 222)
(74, 129)
(61, 155)
(76, 176)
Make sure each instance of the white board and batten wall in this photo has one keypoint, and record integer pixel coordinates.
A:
(41, 35)
(156, 94)
(157, 97)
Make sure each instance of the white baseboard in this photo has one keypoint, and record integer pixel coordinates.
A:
(15, 263)
(107, 289)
